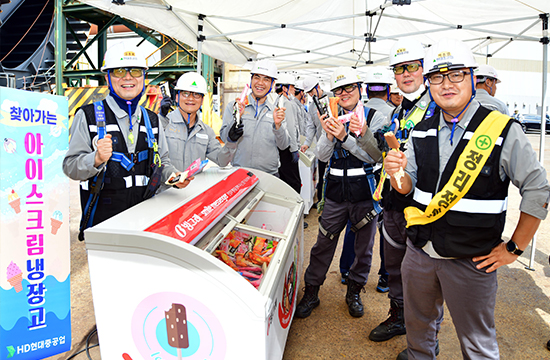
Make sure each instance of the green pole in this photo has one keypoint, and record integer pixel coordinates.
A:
(60, 46)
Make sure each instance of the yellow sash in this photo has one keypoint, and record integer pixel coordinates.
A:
(468, 167)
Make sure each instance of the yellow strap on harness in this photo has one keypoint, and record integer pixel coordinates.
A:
(407, 122)
(468, 167)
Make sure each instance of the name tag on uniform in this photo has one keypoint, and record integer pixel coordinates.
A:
(202, 136)
(269, 115)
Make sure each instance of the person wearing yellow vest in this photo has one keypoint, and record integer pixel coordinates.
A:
(458, 164)
(406, 60)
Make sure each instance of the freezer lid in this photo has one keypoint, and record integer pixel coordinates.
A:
(192, 220)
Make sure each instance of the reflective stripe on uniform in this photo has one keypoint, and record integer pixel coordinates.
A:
(423, 134)
(466, 205)
(84, 185)
(141, 180)
(351, 172)
(144, 129)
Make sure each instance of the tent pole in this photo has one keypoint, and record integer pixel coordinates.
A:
(544, 40)
(199, 44)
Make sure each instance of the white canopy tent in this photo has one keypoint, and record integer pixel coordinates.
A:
(311, 36)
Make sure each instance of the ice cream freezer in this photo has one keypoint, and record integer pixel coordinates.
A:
(206, 272)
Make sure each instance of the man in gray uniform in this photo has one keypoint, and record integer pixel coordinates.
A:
(486, 88)
(115, 140)
(406, 60)
(188, 137)
(261, 130)
(378, 81)
(288, 170)
(313, 126)
(458, 165)
(299, 99)
(348, 197)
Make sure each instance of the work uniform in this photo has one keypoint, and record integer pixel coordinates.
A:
(288, 169)
(314, 130)
(257, 148)
(122, 188)
(491, 102)
(379, 105)
(187, 145)
(393, 226)
(438, 263)
(347, 197)
(302, 117)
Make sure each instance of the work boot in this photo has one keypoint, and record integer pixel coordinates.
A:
(309, 301)
(353, 299)
(344, 279)
(404, 355)
(382, 286)
(394, 325)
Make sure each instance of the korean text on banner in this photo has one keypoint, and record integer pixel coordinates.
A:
(35, 318)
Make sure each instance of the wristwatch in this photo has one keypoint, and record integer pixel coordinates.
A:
(512, 248)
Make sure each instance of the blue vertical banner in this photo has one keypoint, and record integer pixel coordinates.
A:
(35, 296)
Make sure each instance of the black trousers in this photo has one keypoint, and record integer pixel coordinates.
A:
(289, 171)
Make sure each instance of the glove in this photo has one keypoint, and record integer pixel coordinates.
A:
(236, 132)
(295, 156)
(165, 104)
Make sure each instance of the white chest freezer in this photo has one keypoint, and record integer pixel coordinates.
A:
(161, 283)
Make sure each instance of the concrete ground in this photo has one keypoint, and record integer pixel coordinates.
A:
(522, 311)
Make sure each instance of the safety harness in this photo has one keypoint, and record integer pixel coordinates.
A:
(340, 153)
(95, 185)
(406, 124)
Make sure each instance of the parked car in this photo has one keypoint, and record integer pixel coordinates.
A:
(531, 122)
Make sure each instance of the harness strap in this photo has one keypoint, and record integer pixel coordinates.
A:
(328, 234)
(364, 221)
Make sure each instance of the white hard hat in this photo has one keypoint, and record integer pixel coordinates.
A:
(299, 85)
(309, 83)
(192, 81)
(486, 71)
(406, 50)
(285, 79)
(265, 67)
(448, 54)
(394, 89)
(379, 75)
(122, 55)
(343, 76)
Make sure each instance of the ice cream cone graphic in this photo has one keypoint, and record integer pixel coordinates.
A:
(14, 201)
(15, 276)
(57, 220)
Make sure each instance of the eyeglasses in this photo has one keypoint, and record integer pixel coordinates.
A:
(262, 78)
(453, 76)
(398, 70)
(347, 88)
(121, 72)
(187, 94)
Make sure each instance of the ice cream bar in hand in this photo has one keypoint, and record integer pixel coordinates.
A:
(394, 144)
(176, 326)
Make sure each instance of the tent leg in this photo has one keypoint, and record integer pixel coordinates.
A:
(199, 44)
(544, 40)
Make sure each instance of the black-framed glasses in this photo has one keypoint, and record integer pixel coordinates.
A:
(453, 76)
(347, 88)
(187, 94)
(398, 70)
(121, 72)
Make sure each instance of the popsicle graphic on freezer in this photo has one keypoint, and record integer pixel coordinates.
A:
(176, 327)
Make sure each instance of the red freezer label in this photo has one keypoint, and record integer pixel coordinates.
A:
(199, 214)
